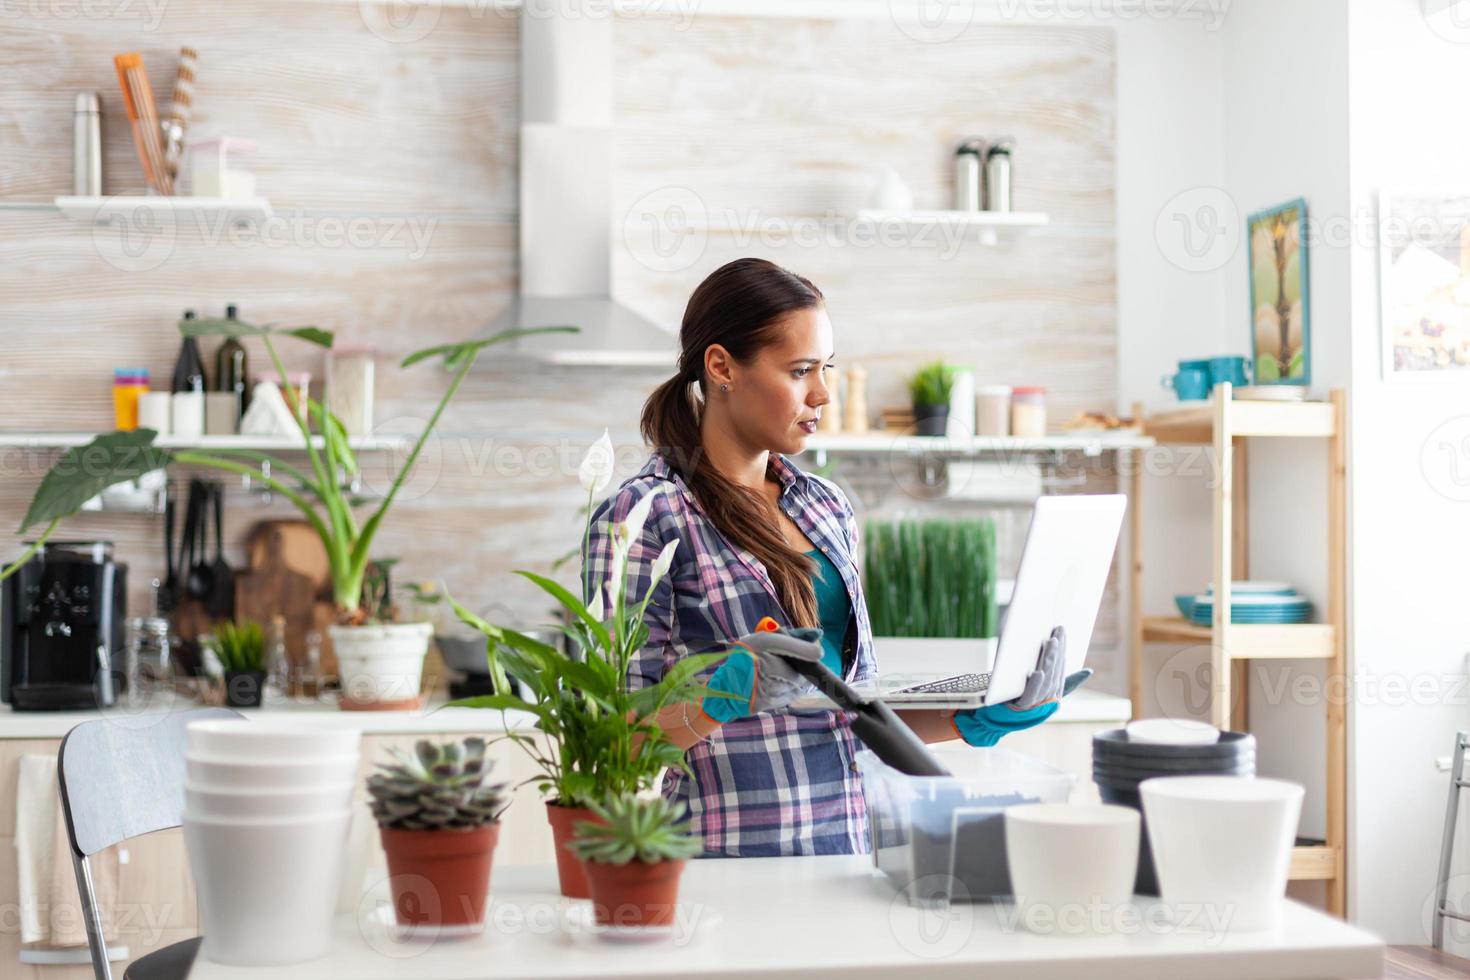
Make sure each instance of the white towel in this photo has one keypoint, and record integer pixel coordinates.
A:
(50, 907)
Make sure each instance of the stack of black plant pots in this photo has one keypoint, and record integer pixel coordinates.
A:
(1118, 766)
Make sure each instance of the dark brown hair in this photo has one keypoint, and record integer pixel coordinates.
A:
(739, 306)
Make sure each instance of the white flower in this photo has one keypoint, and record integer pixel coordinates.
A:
(595, 605)
(662, 563)
(632, 526)
(596, 470)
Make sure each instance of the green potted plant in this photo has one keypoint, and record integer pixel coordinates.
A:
(600, 736)
(240, 651)
(439, 819)
(633, 858)
(380, 661)
(929, 391)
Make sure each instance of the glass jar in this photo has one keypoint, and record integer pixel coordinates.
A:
(128, 385)
(350, 388)
(1028, 412)
(993, 410)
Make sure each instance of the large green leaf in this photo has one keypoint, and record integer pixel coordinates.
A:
(455, 354)
(571, 603)
(222, 327)
(85, 471)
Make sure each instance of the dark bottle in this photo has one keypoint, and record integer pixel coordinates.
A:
(189, 368)
(232, 368)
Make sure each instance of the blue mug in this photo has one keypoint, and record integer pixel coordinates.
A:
(1190, 384)
(1233, 369)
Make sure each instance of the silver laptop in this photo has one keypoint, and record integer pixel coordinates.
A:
(1064, 569)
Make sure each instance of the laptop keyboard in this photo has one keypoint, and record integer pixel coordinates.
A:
(958, 684)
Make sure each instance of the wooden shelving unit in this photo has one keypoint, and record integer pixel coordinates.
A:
(1226, 424)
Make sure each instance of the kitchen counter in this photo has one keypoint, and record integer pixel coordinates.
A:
(1083, 706)
(764, 917)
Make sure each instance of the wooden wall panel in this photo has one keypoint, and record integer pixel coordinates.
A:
(416, 143)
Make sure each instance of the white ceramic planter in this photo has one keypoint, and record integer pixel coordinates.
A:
(1222, 847)
(1072, 867)
(380, 664)
(287, 741)
(267, 888)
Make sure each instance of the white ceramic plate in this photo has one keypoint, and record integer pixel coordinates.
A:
(383, 922)
(1172, 731)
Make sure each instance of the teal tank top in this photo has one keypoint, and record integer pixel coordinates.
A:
(833, 609)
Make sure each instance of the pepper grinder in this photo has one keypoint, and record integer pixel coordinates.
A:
(855, 417)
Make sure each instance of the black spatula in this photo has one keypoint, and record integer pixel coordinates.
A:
(221, 601)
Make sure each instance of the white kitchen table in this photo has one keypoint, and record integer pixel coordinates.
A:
(768, 917)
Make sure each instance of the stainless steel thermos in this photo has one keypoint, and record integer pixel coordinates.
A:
(86, 136)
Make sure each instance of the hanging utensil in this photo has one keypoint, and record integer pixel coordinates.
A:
(168, 592)
(196, 582)
(221, 601)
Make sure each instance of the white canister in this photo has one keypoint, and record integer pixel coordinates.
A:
(219, 413)
(155, 411)
(993, 410)
(188, 414)
(350, 388)
(961, 423)
(1028, 412)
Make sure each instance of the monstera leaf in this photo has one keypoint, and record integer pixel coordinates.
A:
(85, 471)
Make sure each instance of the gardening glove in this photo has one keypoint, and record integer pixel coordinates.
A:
(988, 724)
(758, 678)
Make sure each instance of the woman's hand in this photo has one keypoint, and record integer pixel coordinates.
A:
(756, 679)
(987, 725)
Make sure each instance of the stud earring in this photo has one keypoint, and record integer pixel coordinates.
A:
(724, 387)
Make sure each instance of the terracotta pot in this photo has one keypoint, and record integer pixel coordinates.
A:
(440, 877)
(634, 894)
(564, 820)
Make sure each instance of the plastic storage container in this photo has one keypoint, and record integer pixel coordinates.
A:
(941, 839)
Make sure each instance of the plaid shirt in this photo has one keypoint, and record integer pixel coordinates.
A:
(776, 783)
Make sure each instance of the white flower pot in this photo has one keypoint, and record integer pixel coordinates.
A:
(1222, 847)
(381, 665)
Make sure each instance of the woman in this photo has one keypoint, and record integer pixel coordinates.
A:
(759, 538)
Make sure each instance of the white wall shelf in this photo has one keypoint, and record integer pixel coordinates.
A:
(68, 440)
(102, 210)
(878, 441)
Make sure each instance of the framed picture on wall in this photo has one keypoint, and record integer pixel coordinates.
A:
(1281, 312)
(1424, 283)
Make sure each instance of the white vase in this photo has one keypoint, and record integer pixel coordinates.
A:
(380, 665)
(1222, 847)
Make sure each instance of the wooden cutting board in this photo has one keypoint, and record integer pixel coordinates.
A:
(288, 575)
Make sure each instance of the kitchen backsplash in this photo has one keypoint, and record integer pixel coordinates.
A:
(391, 166)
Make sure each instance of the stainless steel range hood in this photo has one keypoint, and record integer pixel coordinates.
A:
(566, 197)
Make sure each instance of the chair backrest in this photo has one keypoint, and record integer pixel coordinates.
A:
(124, 777)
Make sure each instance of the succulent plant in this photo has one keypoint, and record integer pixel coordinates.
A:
(439, 787)
(650, 830)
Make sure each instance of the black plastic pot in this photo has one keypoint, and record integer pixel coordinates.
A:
(244, 688)
(931, 420)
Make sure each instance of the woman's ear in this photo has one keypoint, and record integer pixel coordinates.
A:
(719, 366)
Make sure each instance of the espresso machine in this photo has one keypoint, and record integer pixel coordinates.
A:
(63, 619)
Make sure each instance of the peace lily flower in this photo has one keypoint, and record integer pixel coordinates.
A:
(596, 471)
